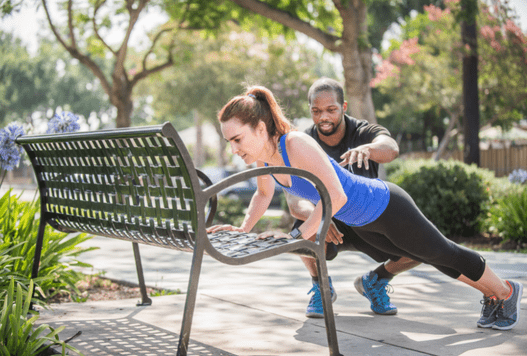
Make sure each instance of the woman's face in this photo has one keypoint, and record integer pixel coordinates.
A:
(246, 142)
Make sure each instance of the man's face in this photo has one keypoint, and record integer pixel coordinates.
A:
(326, 112)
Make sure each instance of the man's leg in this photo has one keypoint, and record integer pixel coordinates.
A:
(374, 285)
(391, 268)
(376, 290)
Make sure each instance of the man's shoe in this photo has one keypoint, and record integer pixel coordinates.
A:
(488, 312)
(315, 308)
(508, 313)
(377, 293)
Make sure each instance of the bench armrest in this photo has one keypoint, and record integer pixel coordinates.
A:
(254, 172)
(213, 201)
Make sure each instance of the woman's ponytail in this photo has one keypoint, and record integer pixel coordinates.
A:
(258, 104)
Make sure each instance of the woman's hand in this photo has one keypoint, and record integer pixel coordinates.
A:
(275, 234)
(225, 227)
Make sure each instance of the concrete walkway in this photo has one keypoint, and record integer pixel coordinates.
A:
(258, 309)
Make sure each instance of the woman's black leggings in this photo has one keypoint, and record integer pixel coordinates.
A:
(403, 230)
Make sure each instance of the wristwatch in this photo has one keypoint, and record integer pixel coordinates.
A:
(296, 234)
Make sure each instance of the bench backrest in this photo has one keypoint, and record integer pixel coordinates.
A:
(134, 184)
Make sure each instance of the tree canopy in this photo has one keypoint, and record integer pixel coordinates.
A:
(220, 68)
(339, 26)
(47, 80)
(421, 73)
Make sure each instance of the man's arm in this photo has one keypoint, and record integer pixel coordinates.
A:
(382, 149)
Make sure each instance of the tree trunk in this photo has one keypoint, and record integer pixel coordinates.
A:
(353, 46)
(124, 111)
(198, 148)
(446, 138)
(120, 90)
(357, 63)
(222, 159)
(470, 91)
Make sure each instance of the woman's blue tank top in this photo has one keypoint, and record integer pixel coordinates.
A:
(367, 198)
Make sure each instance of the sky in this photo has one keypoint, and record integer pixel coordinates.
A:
(26, 24)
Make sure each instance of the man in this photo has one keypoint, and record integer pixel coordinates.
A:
(360, 147)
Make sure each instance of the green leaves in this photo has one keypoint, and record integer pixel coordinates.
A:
(19, 223)
(461, 199)
(17, 333)
(435, 80)
(450, 194)
(508, 217)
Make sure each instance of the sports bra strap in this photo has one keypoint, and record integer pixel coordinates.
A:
(283, 151)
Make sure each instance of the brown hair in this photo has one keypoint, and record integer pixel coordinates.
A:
(258, 104)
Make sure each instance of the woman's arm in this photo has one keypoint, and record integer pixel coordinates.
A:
(257, 207)
(305, 153)
(260, 200)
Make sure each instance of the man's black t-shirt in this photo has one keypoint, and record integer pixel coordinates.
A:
(357, 133)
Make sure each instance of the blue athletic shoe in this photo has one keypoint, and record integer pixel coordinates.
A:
(508, 313)
(488, 312)
(377, 293)
(315, 308)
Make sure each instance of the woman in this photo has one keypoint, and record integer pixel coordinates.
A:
(380, 212)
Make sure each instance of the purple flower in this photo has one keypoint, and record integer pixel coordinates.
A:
(63, 122)
(10, 153)
(518, 176)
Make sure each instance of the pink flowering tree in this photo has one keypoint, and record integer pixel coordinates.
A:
(503, 67)
(421, 74)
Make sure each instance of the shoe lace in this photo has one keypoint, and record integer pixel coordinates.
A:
(381, 290)
(500, 308)
(490, 305)
(316, 300)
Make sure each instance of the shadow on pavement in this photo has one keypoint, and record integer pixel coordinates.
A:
(407, 336)
(128, 336)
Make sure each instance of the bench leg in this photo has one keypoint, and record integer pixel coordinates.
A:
(329, 317)
(145, 300)
(38, 249)
(190, 301)
(38, 252)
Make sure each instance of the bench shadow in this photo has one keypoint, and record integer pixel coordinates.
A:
(404, 334)
(128, 336)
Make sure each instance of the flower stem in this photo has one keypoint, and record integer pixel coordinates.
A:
(3, 177)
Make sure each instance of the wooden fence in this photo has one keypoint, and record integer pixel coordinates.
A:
(500, 160)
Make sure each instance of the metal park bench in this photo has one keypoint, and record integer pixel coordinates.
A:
(140, 185)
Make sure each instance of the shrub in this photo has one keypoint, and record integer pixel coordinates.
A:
(6, 274)
(508, 217)
(451, 194)
(17, 333)
(19, 226)
(230, 211)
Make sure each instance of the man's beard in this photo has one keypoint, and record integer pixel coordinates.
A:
(331, 132)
